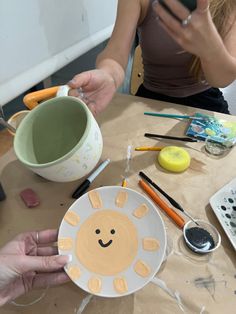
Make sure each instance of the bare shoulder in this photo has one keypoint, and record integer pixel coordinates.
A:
(127, 19)
(131, 6)
(128, 15)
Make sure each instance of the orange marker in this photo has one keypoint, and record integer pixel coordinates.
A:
(150, 148)
(162, 204)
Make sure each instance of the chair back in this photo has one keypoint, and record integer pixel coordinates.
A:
(136, 78)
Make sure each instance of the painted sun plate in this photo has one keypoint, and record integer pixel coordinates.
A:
(116, 239)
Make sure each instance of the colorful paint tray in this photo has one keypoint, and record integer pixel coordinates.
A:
(114, 251)
(219, 130)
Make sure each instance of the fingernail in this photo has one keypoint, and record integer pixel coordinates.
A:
(69, 258)
(62, 259)
(73, 81)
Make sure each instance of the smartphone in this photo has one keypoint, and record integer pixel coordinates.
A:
(189, 4)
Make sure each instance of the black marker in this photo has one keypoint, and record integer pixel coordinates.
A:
(85, 185)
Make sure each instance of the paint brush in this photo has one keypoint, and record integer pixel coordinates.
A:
(127, 167)
(148, 148)
(3, 121)
(168, 197)
(179, 221)
(124, 183)
(2, 113)
(178, 116)
(184, 139)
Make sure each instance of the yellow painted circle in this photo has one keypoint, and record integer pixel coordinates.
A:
(107, 242)
(173, 158)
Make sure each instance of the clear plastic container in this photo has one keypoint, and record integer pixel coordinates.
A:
(215, 148)
(202, 238)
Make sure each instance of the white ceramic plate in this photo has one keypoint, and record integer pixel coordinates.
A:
(151, 225)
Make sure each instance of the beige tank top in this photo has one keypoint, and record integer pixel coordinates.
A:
(166, 66)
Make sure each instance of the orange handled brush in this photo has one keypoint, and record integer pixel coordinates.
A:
(162, 204)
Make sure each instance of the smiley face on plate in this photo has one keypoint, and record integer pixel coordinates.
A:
(107, 242)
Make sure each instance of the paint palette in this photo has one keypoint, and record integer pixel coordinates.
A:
(219, 130)
(116, 239)
(223, 204)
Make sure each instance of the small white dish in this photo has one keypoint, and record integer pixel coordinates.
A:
(202, 238)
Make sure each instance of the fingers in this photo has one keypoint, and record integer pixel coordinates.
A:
(92, 107)
(23, 264)
(52, 279)
(202, 6)
(47, 251)
(45, 236)
(80, 94)
(179, 9)
(74, 93)
(168, 22)
(80, 80)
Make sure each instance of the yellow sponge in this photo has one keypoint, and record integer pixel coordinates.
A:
(173, 158)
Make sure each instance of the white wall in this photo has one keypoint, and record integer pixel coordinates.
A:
(38, 37)
(230, 95)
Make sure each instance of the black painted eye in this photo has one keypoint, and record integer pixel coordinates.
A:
(97, 231)
(113, 231)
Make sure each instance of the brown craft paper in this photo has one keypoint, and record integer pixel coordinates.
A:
(203, 283)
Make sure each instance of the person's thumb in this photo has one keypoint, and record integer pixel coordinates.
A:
(80, 80)
(202, 6)
(25, 264)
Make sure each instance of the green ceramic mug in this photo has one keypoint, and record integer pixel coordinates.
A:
(59, 139)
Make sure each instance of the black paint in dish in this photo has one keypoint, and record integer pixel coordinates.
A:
(228, 216)
(230, 200)
(200, 238)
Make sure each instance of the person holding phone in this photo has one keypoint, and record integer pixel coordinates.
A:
(30, 261)
(188, 51)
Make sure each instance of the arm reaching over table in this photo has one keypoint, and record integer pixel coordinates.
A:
(187, 56)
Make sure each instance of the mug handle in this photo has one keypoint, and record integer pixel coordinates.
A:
(32, 100)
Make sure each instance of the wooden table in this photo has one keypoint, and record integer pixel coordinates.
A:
(204, 283)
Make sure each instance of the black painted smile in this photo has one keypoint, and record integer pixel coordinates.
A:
(104, 244)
